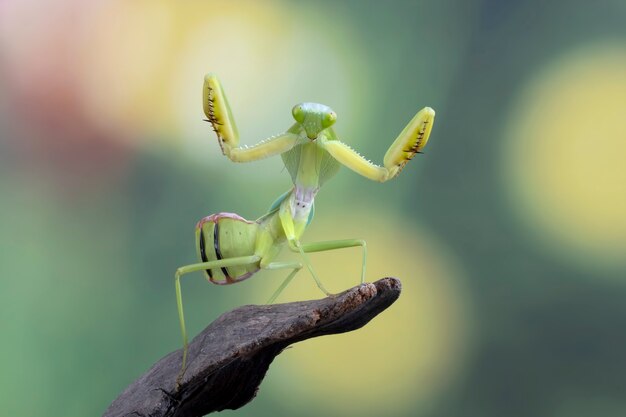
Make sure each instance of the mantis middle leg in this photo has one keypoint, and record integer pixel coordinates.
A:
(329, 245)
(297, 266)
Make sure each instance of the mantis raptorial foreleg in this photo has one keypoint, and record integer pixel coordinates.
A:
(242, 260)
(409, 142)
(218, 113)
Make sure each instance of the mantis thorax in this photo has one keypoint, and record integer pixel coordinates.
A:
(301, 202)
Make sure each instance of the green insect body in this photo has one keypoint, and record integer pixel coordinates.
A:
(231, 248)
(225, 236)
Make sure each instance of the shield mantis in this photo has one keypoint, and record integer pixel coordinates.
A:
(232, 248)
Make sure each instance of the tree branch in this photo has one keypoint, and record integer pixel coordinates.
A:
(229, 358)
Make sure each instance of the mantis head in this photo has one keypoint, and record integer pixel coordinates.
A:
(314, 118)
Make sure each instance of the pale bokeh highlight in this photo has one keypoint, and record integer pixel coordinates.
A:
(564, 153)
(144, 78)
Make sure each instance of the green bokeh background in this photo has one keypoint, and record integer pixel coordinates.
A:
(102, 180)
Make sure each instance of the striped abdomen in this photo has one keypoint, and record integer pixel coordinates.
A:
(224, 236)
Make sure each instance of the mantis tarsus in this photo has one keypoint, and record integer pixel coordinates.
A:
(232, 248)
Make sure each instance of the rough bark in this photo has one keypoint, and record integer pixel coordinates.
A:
(229, 358)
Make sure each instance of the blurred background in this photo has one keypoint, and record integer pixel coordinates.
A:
(509, 233)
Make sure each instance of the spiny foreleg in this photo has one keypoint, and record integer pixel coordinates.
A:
(409, 142)
(219, 115)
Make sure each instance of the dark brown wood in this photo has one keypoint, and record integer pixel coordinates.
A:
(229, 358)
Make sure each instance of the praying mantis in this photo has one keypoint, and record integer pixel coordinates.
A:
(232, 248)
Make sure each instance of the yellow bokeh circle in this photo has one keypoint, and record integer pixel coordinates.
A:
(565, 156)
(402, 359)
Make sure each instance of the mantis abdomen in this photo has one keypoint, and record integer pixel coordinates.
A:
(224, 236)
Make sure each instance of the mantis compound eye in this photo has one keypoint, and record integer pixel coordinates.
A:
(298, 113)
(329, 119)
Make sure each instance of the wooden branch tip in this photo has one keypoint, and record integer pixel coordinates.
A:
(228, 360)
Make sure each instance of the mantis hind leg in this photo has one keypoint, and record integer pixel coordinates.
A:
(242, 260)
